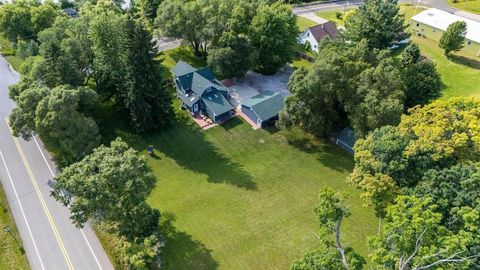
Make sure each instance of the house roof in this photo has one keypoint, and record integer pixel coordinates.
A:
(347, 136)
(441, 20)
(217, 103)
(182, 68)
(266, 105)
(326, 29)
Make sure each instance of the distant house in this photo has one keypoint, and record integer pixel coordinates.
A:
(201, 94)
(346, 140)
(263, 107)
(70, 12)
(315, 34)
(432, 23)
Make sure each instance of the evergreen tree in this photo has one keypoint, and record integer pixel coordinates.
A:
(148, 102)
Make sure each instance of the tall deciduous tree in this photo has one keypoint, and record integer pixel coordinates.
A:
(25, 19)
(413, 237)
(378, 21)
(347, 85)
(148, 102)
(431, 137)
(274, 35)
(111, 184)
(60, 115)
(330, 210)
(454, 38)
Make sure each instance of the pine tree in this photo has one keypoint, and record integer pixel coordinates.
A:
(148, 102)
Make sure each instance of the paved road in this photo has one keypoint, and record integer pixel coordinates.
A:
(440, 4)
(50, 240)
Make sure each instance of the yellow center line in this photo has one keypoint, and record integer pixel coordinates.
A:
(42, 201)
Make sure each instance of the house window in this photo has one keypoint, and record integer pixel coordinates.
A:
(315, 46)
(469, 43)
(434, 30)
(418, 24)
(308, 34)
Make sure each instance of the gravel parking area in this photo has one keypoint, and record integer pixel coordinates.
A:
(253, 83)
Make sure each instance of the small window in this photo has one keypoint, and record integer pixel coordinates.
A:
(434, 30)
(468, 43)
(418, 24)
(308, 34)
(315, 46)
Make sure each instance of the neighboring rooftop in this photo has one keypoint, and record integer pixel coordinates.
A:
(441, 20)
(70, 12)
(326, 29)
(266, 105)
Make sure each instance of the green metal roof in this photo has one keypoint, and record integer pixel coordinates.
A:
(266, 105)
(182, 68)
(217, 103)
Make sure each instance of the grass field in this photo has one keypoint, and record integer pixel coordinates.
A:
(12, 254)
(330, 15)
(7, 51)
(235, 198)
(460, 72)
(468, 5)
(304, 23)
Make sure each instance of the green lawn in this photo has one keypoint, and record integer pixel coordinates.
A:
(236, 198)
(468, 5)
(304, 23)
(12, 254)
(7, 51)
(460, 73)
(331, 15)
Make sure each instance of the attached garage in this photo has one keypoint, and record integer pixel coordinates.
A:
(263, 107)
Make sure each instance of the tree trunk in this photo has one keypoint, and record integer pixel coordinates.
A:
(338, 244)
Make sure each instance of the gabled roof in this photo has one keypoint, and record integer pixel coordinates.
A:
(217, 103)
(182, 68)
(441, 20)
(326, 29)
(265, 105)
(197, 81)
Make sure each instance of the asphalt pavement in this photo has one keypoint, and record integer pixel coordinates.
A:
(49, 238)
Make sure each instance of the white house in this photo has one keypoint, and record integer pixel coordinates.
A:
(432, 23)
(314, 34)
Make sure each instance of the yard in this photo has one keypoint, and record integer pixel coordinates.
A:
(12, 254)
(468, 5)
(460, 72)
(235, 198)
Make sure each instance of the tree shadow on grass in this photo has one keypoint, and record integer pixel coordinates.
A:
(328, 154)
(185, 143)
(182, 251)
(465, 61)
(185, 54)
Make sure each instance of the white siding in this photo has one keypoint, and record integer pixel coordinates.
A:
(307, 36)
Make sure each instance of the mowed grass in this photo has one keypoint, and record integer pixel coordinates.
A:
(8, 52)
(468, 5)
(236, 198)
(304, 23)
(12, 253)
(408, 10)
(460, 72)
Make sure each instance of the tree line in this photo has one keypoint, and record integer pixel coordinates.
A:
(233, 35)
(417, 159)
(72, 66)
